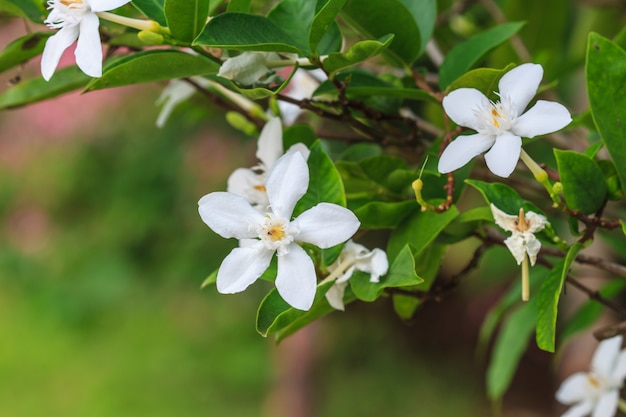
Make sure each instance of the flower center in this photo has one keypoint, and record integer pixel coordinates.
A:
(69, 3)
(495, 117)
(65, 12)
(521, 224)
(260, 187)
(276, 233)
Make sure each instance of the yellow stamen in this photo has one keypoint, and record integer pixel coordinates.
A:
(495, 117)
(276, 233)
(593, 381)
(521, 223)
(260, 188)
(68, 3)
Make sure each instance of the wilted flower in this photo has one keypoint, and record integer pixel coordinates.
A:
(250, 68)
(323, 225)
(596, 392)
(500, 125)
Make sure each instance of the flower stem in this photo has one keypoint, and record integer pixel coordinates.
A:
(417, 186)
(525, 279)
(341, 268)
(621, 404)
(139, 24)
(540, 175)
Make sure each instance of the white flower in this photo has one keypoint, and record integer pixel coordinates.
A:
(174, 93)
(249, 68)
(76, 19)
(323, 225)
(355, 257)
(523, 226)
(302, 86)
(250, 182)
(596, 393)
(500, 125)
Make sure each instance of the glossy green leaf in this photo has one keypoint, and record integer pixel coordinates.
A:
(466, 54)
(503, 197)
(484, 80)
(31, 91)
(509, 348)
(186, 18)
(356, 53)
(401, 274)
(323, 21)
(23, 49)
(384, 215)
(424, 13)
(548, 299)
(30, 9)
(246, 32)
(605, 69)
(153, 9)
(583, 182)
(241, 6)
(154, 65)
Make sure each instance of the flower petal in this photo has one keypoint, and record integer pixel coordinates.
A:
(520, 85)
(270, 143)
(543, 118)
(326, 225)
(504, 154)
(286, 183)
(574, 389)
(533, 246)
(105, 5)
(460, 105)
(619, 373)
(334, 295)
(247, 68)
(607, 404)
(506, 221)
(462, 149)
(605, 356)
(579, 410)
(174, 93)
(251, 186)
(242, 267)
(536, 222)
(55, 46)
(378, 264)
(516, 245)
(229, 215)
(296, 281)
(88, 49)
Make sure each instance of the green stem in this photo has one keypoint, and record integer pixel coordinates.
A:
(341, 268)
(621, 404)
(540, 175)
(139, 24)
(525, 279)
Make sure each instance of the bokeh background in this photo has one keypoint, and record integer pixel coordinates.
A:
(102, 254)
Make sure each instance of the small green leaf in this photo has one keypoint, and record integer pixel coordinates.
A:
(605, 69)
(245, 32)
(384, 215)
(466, 54)
(23, 49)
(153, 9)
(31, 91)
(358, 52)
(323, 21)
(503, 197)
(186, 18)
(484, 80)
(548, 299)
(401, 274)
(154, 65)
(584, 187)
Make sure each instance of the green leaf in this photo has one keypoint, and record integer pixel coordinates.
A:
(466, 54)
(31, 91)
(503, 197)
(584, 187)
(548, 299)
(31, 9)
(23, 49)
(241, 6)
(419, 230)
(153, 9)
(424, 14)
(154, 65)
(605, 69)
(384, 215)
(186, 18)
(484, 80)
(256, 93)
(323, 21)
(246, 32)
(358, 52)
(509, 348)
(401, 274)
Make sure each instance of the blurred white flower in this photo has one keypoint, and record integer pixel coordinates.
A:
(523, 227)
(323, 225)
(355, 257)
(250, 182)
(77, 20)
(500, 125)
(250, 68)
(302, 86)
(174, 93)
(596, 392)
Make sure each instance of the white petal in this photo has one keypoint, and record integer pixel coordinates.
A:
(461, 104)
(300, 147)
(506, 221)
(515, 243)
(543, 118)
(605, 356)
(326, 225)
(533, 246)
(174, 93)
(462, 149)
(574, 388)
(270, 143)
(229, 215)
(286, 183)
(251, 186)
(579, 410)
(607, 405)
(536, 222)
(296, 281)
(379, 264)
(242, 267)
(247, 68)
(334, 296)
(520, 85)
(105, 5)
(55, 46)
(89, 50)
(504, 154)
(619, 373)
(347, 274)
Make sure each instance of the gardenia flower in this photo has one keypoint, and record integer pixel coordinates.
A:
(355, 257)
(250, 182)
(523, 226)
(174, 93)
(249, 68)
(500, 125)
(596, 392)
(76, 19)
(324, 225)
